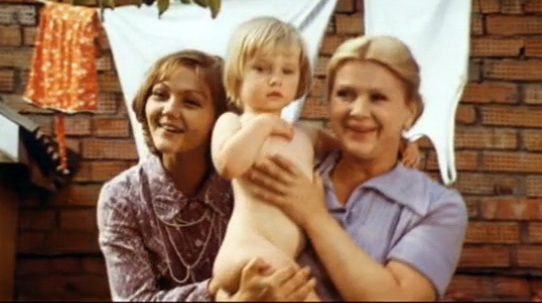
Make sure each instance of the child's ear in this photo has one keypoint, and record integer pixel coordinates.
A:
(412, 112)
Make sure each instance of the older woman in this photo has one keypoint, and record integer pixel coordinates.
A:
(381, 231)
(162, 221)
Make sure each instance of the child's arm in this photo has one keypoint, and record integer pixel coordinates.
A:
(410, 153)
(234, 148)
(322, 140)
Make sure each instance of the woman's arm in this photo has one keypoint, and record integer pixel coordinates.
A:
(234, 149)
(129, 271)
(415, 270)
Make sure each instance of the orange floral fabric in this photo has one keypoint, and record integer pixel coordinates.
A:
(63, 71)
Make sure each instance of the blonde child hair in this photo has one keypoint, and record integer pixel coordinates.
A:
(262, 36)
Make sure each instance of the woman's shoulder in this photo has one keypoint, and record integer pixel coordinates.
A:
(436, 195)
(127, 184)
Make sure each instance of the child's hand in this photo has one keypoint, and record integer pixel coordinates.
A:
(411, 155)
(277, 126)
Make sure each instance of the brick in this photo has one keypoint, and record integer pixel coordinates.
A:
(476, 8)
(485, 138)
(534, 232)
(74, 145)
(490, 6)
(318, 89)
(16, 57)
(349, 24)
(490, 92)
(533, 94)
(66, 265)
(78, 219)
(104, 63)
(7, 80)
(495, 47)
(331, 42)
(476, 286)
(472, 206)
(105, 170)
(108, 103)
(513, 25)
(321, 66)
(511, 286)
(77, 125)
(512, 6)
(109, 82)
(511, 208)
(31, 267)
(71, 242)
(475, 70)
(94, 265)
(46, 122)
(18, 14)
(464, 160)
(529, 256)
(477, 25)
(62, 287)
(533, 46)
(111, 127)
(512, 116)
(496, 233)
(533, 186)
(530, 70)
(315, 109)
(29, 35)
(532, 6)
(465, 114)
(532, 140)
(30, 241)
(109, 149)
(345, 6)
(77, 195)
(10, 36)
(37, 220)
(487, 184)
(484, 256)
(512, 162)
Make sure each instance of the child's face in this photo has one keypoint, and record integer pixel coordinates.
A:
(270, 82)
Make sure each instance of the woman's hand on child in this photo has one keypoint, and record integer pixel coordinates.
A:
(280, 182)
(260, 283)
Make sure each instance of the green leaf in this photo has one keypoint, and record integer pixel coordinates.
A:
(110, 3)
(202, 3)
(163, 5)
(214, 5)
(138, 2)
(185, 1)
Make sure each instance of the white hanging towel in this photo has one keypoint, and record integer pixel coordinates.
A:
(437, 32)
(138, 37)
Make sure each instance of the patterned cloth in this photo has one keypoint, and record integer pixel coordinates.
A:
(63, 70)
(158, 244)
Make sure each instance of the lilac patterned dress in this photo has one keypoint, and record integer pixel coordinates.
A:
(158, 244)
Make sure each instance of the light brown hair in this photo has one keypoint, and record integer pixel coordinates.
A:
(388, 51)
(208, 68)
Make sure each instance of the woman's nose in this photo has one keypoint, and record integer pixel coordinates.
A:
(360, 107)
(172, 107)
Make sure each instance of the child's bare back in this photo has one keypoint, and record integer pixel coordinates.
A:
(257, 228)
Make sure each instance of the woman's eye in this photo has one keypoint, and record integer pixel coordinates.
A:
(159, 95)
(378, 97)
(346, 94)
(191, 102)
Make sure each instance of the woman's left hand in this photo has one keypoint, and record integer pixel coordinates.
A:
(280, 182)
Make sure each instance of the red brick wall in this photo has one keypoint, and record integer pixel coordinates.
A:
(498, 155)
